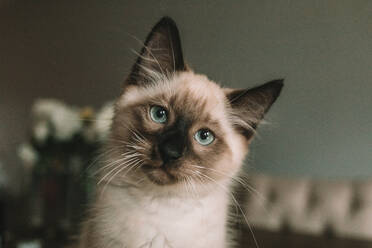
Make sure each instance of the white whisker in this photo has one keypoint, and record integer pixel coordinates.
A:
(237, 204)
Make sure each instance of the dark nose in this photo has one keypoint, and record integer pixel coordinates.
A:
(171, 149)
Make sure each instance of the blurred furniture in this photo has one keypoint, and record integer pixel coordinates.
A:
(342, 208)
(285, 239)
(296, 212)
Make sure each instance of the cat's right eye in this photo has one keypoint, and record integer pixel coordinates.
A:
(158, 114)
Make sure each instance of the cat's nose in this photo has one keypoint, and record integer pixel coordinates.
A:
(171, 149)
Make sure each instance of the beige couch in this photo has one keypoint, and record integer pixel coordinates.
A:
(340, 207)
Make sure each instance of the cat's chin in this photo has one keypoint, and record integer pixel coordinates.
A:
(159, 175)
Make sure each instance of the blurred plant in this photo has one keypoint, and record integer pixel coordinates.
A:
(63, 143)
(61, 122)
(61, 132)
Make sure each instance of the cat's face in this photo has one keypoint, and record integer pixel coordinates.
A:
(173, 126)
(183, 129)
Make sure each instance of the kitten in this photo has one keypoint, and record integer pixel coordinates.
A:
(177, 140)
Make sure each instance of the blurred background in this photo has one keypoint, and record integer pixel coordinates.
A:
(79, 52)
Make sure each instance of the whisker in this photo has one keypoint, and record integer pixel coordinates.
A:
(112, 163)
(131, 165)
(126, 163)
(136, 162)
(245, 184)
(98, 158)
(237, 204)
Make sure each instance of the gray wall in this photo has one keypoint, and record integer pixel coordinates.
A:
(79, 51)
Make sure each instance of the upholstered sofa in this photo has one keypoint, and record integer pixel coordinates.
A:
(304, 212)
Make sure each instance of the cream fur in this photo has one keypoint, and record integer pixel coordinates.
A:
(135, 219)
(159, 216)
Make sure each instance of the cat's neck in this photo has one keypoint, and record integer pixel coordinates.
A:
(188, 191)
(163, 194)
(161, 215)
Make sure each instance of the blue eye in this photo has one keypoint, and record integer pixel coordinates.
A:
(158, 114)
(204, 137)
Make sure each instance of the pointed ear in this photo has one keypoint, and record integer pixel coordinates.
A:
(161, 54)
(250, 105)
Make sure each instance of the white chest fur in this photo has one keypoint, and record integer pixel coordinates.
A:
(135, 221)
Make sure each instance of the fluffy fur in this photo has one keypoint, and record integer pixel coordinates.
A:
(146, 197)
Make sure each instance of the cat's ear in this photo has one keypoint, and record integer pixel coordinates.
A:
(160, 56)
(250, 105)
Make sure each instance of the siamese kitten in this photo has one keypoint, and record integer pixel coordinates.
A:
(177, 140)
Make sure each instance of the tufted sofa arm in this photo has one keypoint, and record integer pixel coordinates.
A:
(343, 208)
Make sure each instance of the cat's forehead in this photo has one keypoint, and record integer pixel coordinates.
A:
(186, 93)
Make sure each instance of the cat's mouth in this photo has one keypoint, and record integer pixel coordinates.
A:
(159, 175)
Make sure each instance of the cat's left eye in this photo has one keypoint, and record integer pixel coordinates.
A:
(158, 114)
(204, 137)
